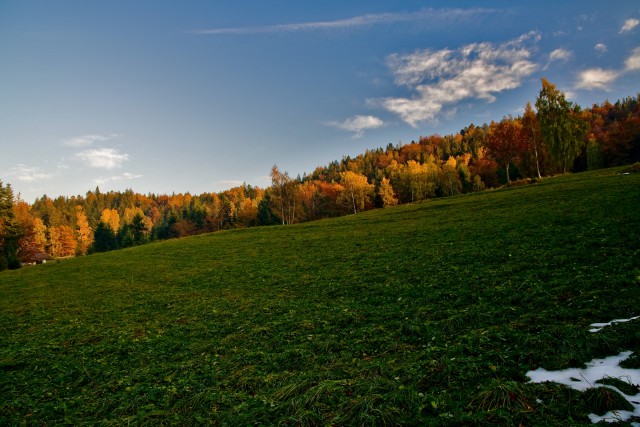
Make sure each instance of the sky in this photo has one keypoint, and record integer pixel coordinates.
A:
(170, 97)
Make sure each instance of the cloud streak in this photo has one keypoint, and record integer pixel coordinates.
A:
(425, 16)
(29, 174)
(103, 158)
(446, 77)
(358, 124)
(88, 140)
(123, 177)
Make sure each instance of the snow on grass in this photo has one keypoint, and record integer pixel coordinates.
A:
(597, 327)
(582, 379)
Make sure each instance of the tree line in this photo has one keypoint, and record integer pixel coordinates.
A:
(557, 136)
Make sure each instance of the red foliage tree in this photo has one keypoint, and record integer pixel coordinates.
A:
(506, 141)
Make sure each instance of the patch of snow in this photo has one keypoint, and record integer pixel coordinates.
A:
(597, 369)
(597, 327)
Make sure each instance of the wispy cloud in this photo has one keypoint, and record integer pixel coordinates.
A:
(596, 78)
(629, 25)
(427, 16)
(559, 55)
(103, 158)
(88, 140)
(24, 173)
(123, 177)
(358, 124)
(445, 77)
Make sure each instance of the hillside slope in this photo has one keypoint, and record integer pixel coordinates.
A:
(429, 313)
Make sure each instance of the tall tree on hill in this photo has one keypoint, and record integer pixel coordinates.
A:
(506, 142)
(531, 132)
(30, 241)
(387, 196)
(104, 239)
(84, 232)
(111, 218)
(562, 130)
(356, 191)
(9, 231)
(284, 195)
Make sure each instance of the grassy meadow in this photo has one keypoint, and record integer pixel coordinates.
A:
(423, 314)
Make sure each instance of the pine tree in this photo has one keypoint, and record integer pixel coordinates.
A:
(104, 239)
(9, 231)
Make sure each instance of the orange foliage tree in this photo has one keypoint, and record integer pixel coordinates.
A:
(506, 141)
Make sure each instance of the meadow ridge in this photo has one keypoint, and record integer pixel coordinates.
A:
(421, 314)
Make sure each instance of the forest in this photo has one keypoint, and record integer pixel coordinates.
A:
(553, 136)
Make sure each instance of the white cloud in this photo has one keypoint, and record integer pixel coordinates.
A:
(596, 78)
(599, 78)
(25, 173)
(122, 177)
(601, 47)
(560, 55)
(126, 175)
(446, 77)
(425, 16)
(103, 158)
(358, 124)
(629, 25)
(633, 61)
(88, 140)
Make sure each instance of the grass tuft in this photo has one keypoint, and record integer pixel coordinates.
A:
(501, 394)
(601, 400)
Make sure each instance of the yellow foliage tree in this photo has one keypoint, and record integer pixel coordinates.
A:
(111, 218)
(386, 193)
(83, 231)
(356, 191)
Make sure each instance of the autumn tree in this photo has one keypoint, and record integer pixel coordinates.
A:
(248, 212)
(506, 142)
(30, 240)
(356, 191)
(450, 177)
(562, 129)
(111, 218)
(84, 232)
(415, 181)
(387, 196)
(309, 199)
(284, 195)
(63, 241)
(40, 235)
(531, 134)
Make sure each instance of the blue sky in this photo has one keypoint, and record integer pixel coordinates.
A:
(166, 96)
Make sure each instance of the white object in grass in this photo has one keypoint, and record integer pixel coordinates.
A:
(597, 369)
(599, 326)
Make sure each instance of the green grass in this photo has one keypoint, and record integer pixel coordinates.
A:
(424, 314)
